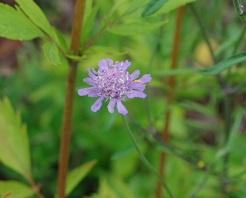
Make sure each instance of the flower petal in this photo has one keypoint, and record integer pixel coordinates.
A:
(145, 78)
(83, 92)
(135, 74)
(104, 63)
(121, 109)
(91, 92)
(97, 105)
(111, 105)
(91, 74)
(136, 94)
(90, 81)
(123, 65)
(137, 85)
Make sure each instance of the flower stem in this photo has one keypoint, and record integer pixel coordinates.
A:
(171, 83)
(69, 97)
(144, 160)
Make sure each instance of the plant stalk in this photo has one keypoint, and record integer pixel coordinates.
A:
(171, 85)
(69, 98)
(144, 160)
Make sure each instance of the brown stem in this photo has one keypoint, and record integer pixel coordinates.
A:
(170, 95)
(69, 97)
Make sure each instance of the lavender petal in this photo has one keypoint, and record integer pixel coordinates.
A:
(97, 105)
(136, 94)
(135, 74)
(145, 78)
(91, 74)
(121, 109)
(111, 105)
(90, 81)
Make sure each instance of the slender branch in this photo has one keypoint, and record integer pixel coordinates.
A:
(144, 160)
(69, 97)
(171, 83)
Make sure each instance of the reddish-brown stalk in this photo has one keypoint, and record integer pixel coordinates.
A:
(69, 97)
(170, 95)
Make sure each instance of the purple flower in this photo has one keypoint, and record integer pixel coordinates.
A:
(113, 82)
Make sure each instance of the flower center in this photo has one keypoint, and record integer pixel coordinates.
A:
(112, 82)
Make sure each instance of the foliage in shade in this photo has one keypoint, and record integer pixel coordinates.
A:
(14, 150)
(153, 6)
(76, 175)
(225, 64)
(15, 25)
(15, 189)
(136, 28)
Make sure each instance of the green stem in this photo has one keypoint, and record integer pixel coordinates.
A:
(144, 160)
(69, 98)
(239, 8)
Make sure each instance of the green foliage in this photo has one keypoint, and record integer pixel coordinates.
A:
(152, 7)
(52, 53)
(15, 189)
(135, 28)
(76, 175)
(225, 64)
(15, 25)
(14, 149)
(35, 14)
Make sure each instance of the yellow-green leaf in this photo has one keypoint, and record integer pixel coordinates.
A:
(14, 145)
(36, 15)
(15, 189)
(15, 25)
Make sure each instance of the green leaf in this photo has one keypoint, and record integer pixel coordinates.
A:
(14, 146)
(76, 58)
(52, 53)
(172, 5)
(234, 130)
(132, 29)
(31, 9)
(15, 25)
(152, 7)
(15, 189)
(76, 175)
(225, 64)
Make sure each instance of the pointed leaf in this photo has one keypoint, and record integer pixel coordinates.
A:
(225, 64)
(76, 175)
(14, 146)
(15, 189)
(172, 5)
(152, 7)
(36, 15)
(52, 53)
(15, 25)
(135, 28)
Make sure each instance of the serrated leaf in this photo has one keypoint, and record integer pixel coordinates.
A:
(36, 15)
(14, 145)
(15, 25)
(76, 175)
(153, 6)
(225, 64)
(52, 53)
(132, 29)
(15, 189)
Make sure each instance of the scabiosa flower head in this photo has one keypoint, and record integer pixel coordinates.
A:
(113, 82)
